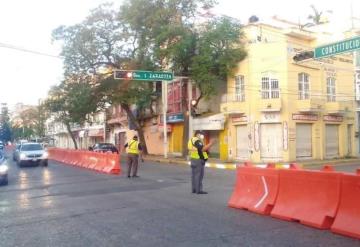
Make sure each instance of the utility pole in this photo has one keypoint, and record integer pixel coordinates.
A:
(164, 94)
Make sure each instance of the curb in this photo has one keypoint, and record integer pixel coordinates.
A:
(232, 166)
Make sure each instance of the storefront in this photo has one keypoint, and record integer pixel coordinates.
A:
(303, 140)
(304, 125)
(332, 126)
(176, 123)
(213, 126)
(270, 132)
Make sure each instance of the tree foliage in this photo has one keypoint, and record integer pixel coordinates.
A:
(149, 35)
(316, 16)
(71, 103)
(5, 127)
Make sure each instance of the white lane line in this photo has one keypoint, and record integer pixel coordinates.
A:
(265, 194)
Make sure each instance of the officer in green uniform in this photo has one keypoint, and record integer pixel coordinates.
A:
(198, 158)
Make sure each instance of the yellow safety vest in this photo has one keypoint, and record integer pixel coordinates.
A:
(133, 147)
(193, 150)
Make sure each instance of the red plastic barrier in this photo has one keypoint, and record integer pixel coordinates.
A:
(255, 189)
(113, 164)
(311, 197)
(347, 220)
(102, 162)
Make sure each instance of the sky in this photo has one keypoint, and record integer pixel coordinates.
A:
(27, 77)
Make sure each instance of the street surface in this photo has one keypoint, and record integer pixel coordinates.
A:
(67, 206)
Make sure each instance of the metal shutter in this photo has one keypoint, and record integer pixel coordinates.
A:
(303, 141)
(332, 140)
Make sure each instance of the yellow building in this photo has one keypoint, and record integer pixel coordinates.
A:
(281, 110)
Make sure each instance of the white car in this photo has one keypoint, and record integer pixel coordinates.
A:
(30, 153)
(3, 171)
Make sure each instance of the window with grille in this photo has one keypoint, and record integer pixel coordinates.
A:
(330, 89)
(269, 87)
(239, 88)
(303, 82)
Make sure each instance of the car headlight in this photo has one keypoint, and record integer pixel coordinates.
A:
(3, 169)
(45, 155)
(22, 156)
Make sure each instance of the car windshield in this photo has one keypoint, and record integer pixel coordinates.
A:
(105, 145)
(31, 147)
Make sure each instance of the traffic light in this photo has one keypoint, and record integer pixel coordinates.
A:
(123, 74)
(304, 55)
(193, 111)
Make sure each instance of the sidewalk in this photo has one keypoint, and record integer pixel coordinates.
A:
(214, 163)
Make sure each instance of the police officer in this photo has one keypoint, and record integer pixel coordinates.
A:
(198, 156)
(134, 151)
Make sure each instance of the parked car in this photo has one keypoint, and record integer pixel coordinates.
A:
(104, 147)
(3, 171)
(31, 153)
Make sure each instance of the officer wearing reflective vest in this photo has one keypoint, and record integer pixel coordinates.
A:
(134, 151)
(198, 156)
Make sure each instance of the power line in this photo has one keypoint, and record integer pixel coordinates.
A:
(17, 48)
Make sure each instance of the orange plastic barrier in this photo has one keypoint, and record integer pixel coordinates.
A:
(311, 197)
(347, 221)
(255, 189)
(103, 162)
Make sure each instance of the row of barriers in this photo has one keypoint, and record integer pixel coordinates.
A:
(323, 199)
(103, 162)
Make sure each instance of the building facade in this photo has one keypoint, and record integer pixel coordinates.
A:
(281, 110)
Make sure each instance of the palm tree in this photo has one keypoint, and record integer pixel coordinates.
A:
(316, 17)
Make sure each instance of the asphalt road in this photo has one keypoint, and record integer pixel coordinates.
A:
(66, 206)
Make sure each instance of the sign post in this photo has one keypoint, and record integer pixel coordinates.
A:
(164, 103)
(142, 75)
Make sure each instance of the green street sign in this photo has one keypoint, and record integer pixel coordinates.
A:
(140, 75)
(347, 45)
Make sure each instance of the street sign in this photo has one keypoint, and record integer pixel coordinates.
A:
(347, 45)
(140, 75)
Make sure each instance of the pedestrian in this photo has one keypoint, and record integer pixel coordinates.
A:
(198, 157)
(134, 152)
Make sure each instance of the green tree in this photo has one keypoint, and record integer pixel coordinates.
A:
(71, 103)
(316, 16)
(150, 35)
(5, 127)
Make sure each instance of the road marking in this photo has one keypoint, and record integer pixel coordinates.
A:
(220, 166)
(265, 194)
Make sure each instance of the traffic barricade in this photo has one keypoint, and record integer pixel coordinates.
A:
(112, 164)
(347, 220)
(255, 189)
(310, 197)
(102, 162)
